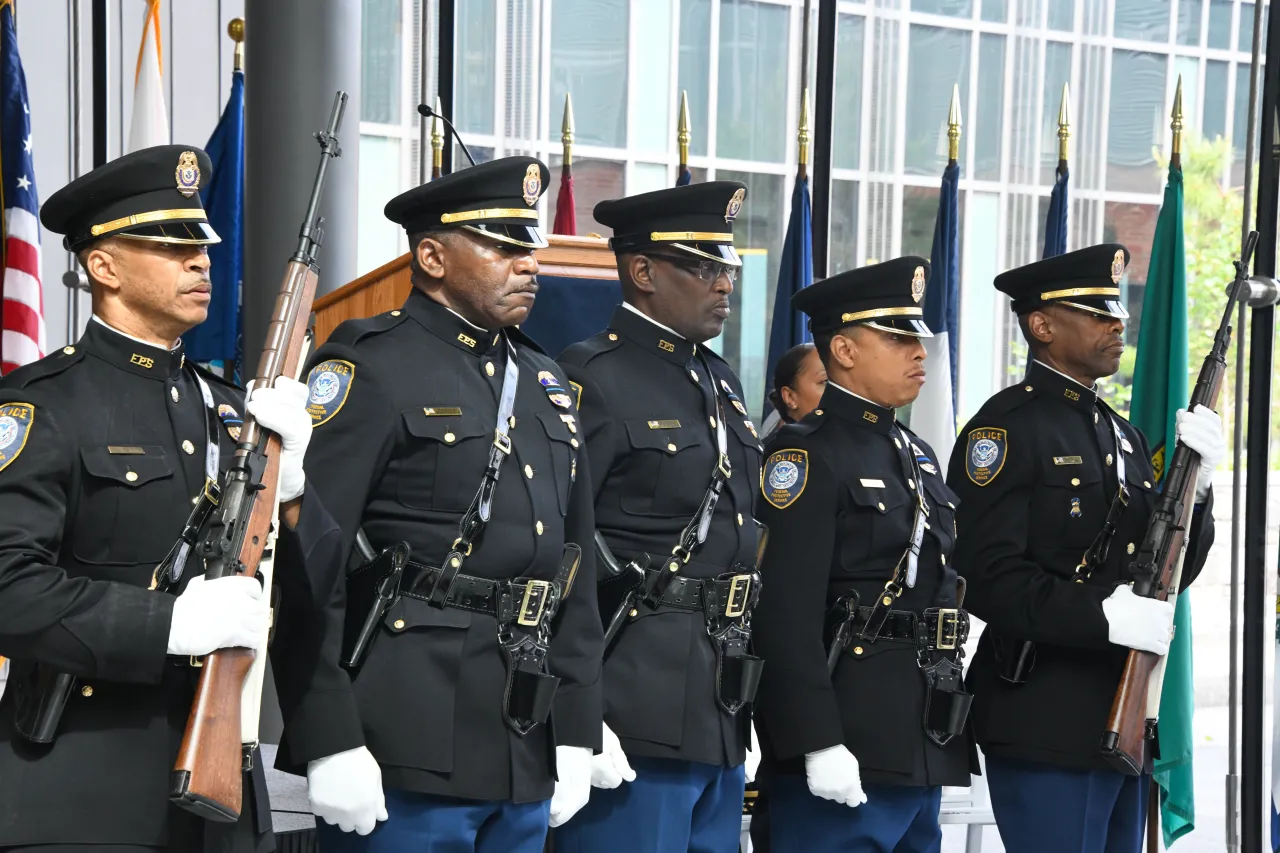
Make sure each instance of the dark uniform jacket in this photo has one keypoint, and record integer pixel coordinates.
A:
(846, 518)
(110, 452)
(1050, 475)
(647, 404)
(404, 421)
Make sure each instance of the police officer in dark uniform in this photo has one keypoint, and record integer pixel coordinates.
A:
(861, 710)
(104, 445)
(674, 463)
(414, 410)
(1043, 465)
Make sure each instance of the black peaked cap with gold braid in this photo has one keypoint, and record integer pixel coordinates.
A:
(695, 218)
(152, 194)
(498, 199)
(1088, 279)
(887, 296)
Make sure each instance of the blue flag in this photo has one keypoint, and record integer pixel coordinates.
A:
(218, 337)
(1055, 223)
(686, 177)
(933, 415)
(789, 327)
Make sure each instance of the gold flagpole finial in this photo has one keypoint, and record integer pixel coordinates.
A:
(802, 134)
(1175, 155)
(566, 129)
(1064, 123)
(235, 29)
(437, 142)
(953, 125)
(683, 134)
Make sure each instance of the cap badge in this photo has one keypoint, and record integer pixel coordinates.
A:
(735, 205)
(917, 284)
(532, 184)
(1117, 266)
(187, 174)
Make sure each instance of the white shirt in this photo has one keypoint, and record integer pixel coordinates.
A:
(859, 396)
(1064, 376)
(636, 310)
(132, 338)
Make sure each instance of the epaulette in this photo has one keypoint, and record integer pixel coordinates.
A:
(50, 365)
(209, 375)
(582, 352)
(350, 332)
(1005, 401)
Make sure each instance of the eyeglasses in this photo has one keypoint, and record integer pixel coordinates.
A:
(707, 270)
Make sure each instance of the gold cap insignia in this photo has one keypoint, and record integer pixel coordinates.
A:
(735, 205)
(187, 174)
(532, 184)
(1117, 266)
(917, 284)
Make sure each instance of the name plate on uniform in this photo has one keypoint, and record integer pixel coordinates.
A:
(669, 424)
(872, 484)
(1067, 460)
(119, 450)
(442, 411)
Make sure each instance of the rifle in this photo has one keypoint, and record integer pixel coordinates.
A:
(1157, 568)
(207, 777)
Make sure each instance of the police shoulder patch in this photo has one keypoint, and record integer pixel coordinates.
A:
(328, 383)
(15, 428)
(784, 477)
(985, 455)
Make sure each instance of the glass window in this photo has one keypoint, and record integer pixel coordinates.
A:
(987, 121)
(1189, 21)
(477, 34)
(589, 59)
(1147, 20)
(843, 244)
(1189, 68)
(919, 215)
(1240, 119)
(954, 8)
(929, 94)
(380, 239)
(380, 66)
(995, 10)
(593, 182)
(1214, 123)
(980, 354)
(1220, 24)
(647, 177)
(695, 67)
(650, 131)
(1062, 15)
(1057, 71)
(753, 81)
(1137, 120)
(1134, 225)
(847, 116)
(1245, 43)
(482, 153)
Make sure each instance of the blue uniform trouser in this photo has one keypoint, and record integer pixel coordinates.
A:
(1040, 808)
(423, 823)
(894, 819)
(672, 806)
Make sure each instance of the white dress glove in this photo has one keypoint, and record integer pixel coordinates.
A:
(573, 782)
(1201, 430)
(610, 768)
(346, 790)
(216, 614)
(832, 774)
(752, 764)
(283, 410)
(1145, 624)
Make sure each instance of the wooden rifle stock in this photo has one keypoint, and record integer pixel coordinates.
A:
(207, 776)
(1157, 565)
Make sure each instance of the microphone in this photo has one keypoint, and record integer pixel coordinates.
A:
(426, 111)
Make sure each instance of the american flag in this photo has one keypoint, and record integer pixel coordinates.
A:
(22, 337)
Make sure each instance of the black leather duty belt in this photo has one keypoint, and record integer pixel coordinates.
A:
(727, 596)
(938, 628)
(523, 601)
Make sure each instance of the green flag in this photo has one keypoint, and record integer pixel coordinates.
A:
(1159, 390)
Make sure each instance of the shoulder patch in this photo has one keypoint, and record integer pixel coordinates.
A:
(329, 383)
(577, 394)
(784, 477)
(984, 458)
(15, 428)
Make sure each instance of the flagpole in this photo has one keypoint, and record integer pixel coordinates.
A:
(437, 142)
(74, 278)
(823, 124)
(683, 135)
(802, 137)
(424, 36)
(1064, 127)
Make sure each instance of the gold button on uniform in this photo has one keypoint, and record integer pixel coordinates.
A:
(173, 393)
(671, 447)
(817, 411)
(897, 444)
(573, 442)
(188, 448)
(739, 519)
(1075, 481)
(528, 471)
(857, 650)
(1028, 387)
(399, 623)
(693, 374)
(395, 313)
(612, 336)
(1109, 459)
(944, 559)
(713, 422)
(68, 350)
(880, 506)
(488, 368)
(1130, 549)
(1095, 417)
(86, 691)
(911, 484)
(131, 476)
(538, 527)
(1146, 483)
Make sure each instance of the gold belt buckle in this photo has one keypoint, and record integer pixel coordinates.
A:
(502, 442)
(536, 594)
(948, 618)
(739, 594)
(726, 468)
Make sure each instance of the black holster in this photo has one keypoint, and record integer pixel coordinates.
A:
(1014, 658)
(530, 689)
(946, 703)
(40, 695)
(371, 590)
(729, 627)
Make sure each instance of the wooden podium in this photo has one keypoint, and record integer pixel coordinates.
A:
(577, 264)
